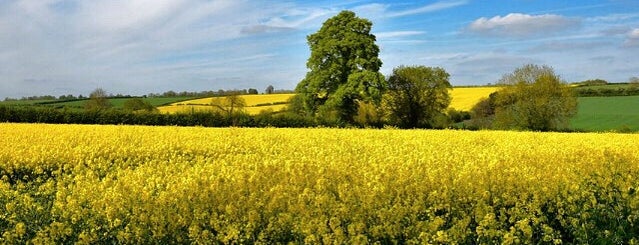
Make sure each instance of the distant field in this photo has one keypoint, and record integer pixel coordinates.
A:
(593, 114)
(117, 102)
(255, 103)
(464, 98)
(607, 113)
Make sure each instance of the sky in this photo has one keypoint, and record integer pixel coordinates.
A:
(136, 47)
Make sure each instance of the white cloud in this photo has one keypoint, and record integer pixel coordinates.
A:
(521, 25)
(397, 34)
(632, 38)
(300, 19)
(612, 17)
(437, 6)
(130, 46)
(129, 14)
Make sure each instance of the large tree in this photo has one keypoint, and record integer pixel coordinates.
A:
(417, 96)
(343, 68)
(534, 98)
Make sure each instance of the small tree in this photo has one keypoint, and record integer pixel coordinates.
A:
(137, 104)
(230, 104)
(534, 98)
(252, 91)
(98, 100)
(269, 89)
(417, 96)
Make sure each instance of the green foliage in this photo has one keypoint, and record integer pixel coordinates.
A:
(417, 96)
(534, 98)
(296, 105)
(344, 68)
(611, 89)
(593, 82)
(364, 86)
(483, 113)
(98, 100)
(252, 91)
(457, 116)
(137, 104)
(369, 115)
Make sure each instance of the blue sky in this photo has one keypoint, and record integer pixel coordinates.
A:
(142, 46)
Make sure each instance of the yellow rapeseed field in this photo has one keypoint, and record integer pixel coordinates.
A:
(137, 184)
(255, 103)
(464, 98)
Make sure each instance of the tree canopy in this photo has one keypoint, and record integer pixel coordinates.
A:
(343, 68)
(534, 98)
(417, 96)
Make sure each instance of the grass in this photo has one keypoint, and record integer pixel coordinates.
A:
(607, 113)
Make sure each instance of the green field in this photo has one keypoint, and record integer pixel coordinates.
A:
(23, 102)
(116, 102)
(607, 113)
(119, 102)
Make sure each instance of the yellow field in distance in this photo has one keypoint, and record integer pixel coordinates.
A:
(463, 99)
(255, 103)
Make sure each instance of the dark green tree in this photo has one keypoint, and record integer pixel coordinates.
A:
(98, 100)
(252, 91)
(269, 89)
(343, 68)
(417, 96)
(534, 98)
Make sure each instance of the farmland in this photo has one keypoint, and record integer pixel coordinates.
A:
(611, 113)
(607, 113)
(254, 104)
(464, 98)
(136, 184)
(79, 104)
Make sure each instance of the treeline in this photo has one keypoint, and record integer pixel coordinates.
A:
(239, 118)
(602, 88)
(167, 94)
(220, 92)
(629, 90)
(117, 117)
